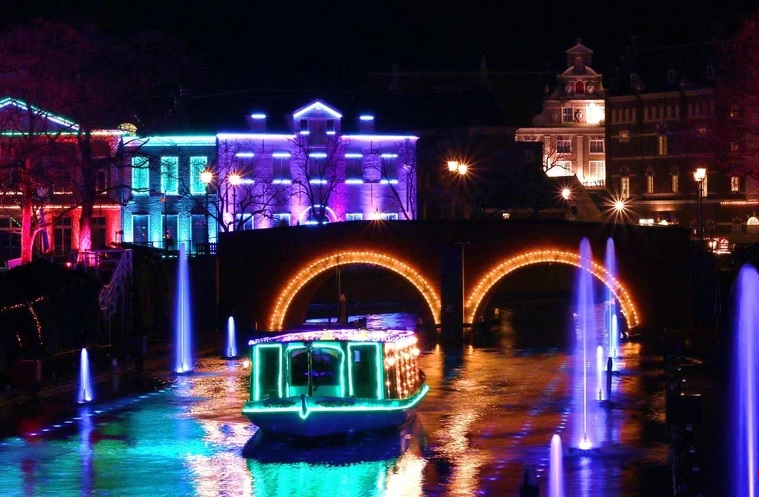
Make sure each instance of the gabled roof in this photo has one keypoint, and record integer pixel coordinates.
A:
(15, 113)
(316, 108)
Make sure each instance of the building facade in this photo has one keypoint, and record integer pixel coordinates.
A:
(571, 124)
(44, 172)
(185, 189)
(670, 146)
(313, 172)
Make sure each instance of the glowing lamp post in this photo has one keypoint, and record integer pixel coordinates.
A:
(455, 168)
(699, 175)
(234, 180)
(206, 177)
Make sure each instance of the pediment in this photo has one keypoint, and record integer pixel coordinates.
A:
(16, 115)
(317, 109)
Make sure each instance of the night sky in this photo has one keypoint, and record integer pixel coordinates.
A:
(249, 40)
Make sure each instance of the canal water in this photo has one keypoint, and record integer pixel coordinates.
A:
(492, 410)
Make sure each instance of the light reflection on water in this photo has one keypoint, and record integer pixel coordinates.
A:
(491, 412)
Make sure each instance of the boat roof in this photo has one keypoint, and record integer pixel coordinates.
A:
(344, 335)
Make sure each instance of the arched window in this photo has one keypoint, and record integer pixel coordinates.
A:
(579, 88)
(752, 225)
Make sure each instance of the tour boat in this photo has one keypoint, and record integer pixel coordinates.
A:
(333, 382)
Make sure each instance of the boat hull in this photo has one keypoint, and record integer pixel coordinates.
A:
(327, 416)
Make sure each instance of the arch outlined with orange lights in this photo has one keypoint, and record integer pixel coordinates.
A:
(286, 294)
(626, 303)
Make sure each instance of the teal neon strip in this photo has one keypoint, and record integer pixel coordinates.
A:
(257, 374)
(395, 405)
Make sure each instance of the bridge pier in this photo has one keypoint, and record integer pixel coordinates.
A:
(452, 294)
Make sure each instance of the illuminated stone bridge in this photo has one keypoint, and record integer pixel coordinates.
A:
(267, 277)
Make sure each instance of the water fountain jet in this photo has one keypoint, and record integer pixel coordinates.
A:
(85, 380)
(556, 475)
(231, 351)
(182, 316)
(745, 385)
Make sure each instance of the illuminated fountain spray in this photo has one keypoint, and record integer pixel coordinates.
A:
(231, 339)
(745, 386)
(182, 321)
(85, 381)
(585, 330)
(556, 476)
(600, 368)
(610, 314)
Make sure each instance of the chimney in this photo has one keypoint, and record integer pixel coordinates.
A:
(257, 122)
(366, 123)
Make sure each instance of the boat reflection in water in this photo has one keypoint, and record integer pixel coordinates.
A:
(369, 464)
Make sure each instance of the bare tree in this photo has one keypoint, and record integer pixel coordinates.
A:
(97, 81)
(399, 174)
(736, 137)
(243, 190)
(317, 173)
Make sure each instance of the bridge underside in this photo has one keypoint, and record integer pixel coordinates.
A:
(264, 275)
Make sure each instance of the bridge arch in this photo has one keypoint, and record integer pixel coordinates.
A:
(294, 284)
(493, 276)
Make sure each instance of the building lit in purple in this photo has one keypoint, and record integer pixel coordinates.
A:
(316, 170)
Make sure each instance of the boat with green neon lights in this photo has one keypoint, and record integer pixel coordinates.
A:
(334, 382)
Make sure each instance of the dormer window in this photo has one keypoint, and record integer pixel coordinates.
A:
(304, 126)
(579, 88)
(330, 126)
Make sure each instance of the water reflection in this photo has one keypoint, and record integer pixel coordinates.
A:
(490, 414)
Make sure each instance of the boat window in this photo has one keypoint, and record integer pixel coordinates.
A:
(267, 373)
(299, 368)
(364, 371)
(325, 366)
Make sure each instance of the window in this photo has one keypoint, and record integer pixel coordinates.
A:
(280, 219)
(62, 235)
(662, 144)
(735, 184)
(199, 231)
(596, 170)
(563, 146)
(389, 167)
(304, 126)
(675, 183)
(624, 187)
(579, 87)
(330, 126)
(353, 168)
(596, 146)
(317, 168)
(98, 232)
(388, 216)
(244, 222)
(140, 166)
(100, 183)
(280, 167)
(170, 232)
(170, 175)
(567, 115)
(650, 183)
(354, 216)
(197, 166)
(140, 229)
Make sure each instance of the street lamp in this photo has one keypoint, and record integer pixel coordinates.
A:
(455, 168)
(206, 177)
(700, 176)
(234, 180)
